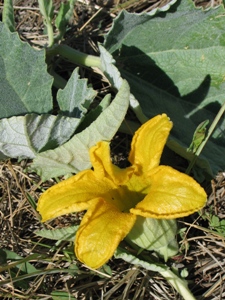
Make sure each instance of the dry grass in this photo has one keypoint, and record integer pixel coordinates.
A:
(202, 252)
(202, 243)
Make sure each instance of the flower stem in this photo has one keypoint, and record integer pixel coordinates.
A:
(178, 283)
(148, 262)
(75, 56)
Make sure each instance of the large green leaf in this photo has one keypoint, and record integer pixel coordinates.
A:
(25, 136)
(174, 63)
(73, 156)
(25, 84)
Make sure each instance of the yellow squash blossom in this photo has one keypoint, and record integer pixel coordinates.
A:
(113, 197)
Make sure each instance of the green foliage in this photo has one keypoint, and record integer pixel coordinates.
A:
(25, 136)
(19, 262)
(198, 137)
(155, 235)
(173, 59)
(27, 128)
(217, 224)
(18, 266)
(47, 11)
(73, 156)
(75, 99)
(25, 83)
(64, 15)
(177, 76)
(148, 264)
(8, 15)
(174, 65)
(61, 234)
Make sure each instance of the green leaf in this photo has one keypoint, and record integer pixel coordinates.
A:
(73, 156)
(64, 234)
(64, 15)
(61, 19)
(19, 268)
(155, 235)
(8, 15)
(217, 224)
(75, 98)
(198, 137)
(25, 136)
(46, 9)
(119, 32)
(25, 83)
(113, 75)
(25, 266)
(175, 66)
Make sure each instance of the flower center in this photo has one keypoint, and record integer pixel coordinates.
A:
(126, 196)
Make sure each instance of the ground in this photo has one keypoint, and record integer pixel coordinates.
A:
(59, 274)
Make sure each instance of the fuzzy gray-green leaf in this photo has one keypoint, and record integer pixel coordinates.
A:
(25, 83)
(175, 66)
(73, 156)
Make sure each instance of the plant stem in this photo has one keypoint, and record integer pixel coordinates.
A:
(75, 56)
(175, 281)
(210, 131)
(149, 263)
(59, 82)
(47, 23)
(178, 283)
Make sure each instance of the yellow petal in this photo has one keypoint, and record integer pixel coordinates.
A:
(72, 195)
(171, 195)
(149, 141)
(100, 232)
(103, 167)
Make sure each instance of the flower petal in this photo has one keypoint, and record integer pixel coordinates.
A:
(103, 167)
(171, 195)
(149, 141)
(72, 195)
(102, 229)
